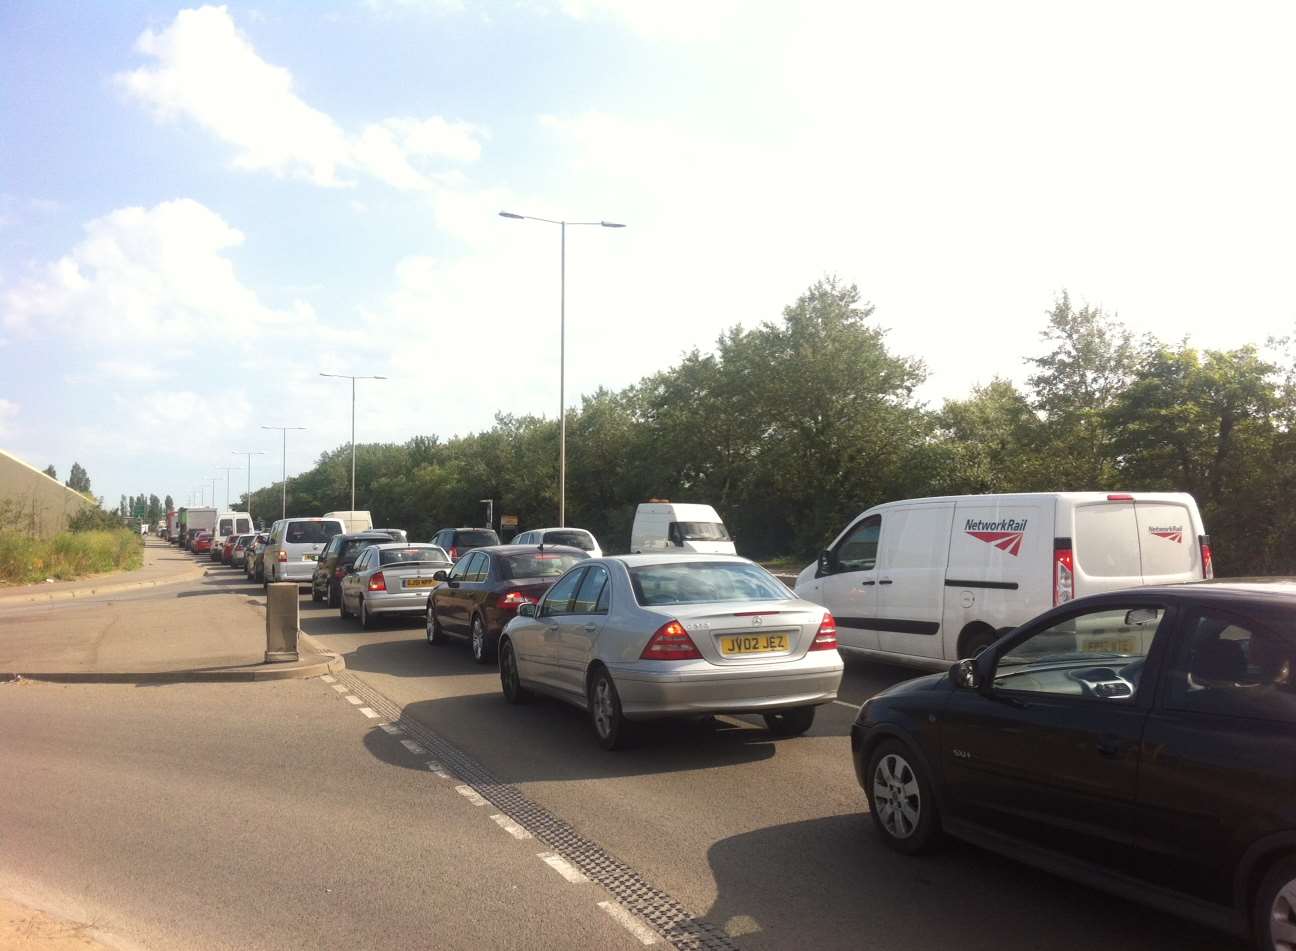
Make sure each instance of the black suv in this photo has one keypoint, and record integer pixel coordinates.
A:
(337, 558)
(1142, 742)
(455, 541)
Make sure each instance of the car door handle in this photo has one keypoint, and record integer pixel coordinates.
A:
(591, 627)
(865, 584)
(886, 581)
(1109, 746)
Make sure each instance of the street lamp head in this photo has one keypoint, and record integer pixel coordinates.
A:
(509, 214)
(611, 224)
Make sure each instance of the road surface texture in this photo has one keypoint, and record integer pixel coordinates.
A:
(281, 815)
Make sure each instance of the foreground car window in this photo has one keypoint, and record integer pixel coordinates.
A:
(397, 556)
(1232, 668)
(1099, 655)
(696, 582)
(538, 565)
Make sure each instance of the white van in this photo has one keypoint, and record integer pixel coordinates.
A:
(679, 527)
(355, 522)
(295, 545)
(928, 581)
(230, 523)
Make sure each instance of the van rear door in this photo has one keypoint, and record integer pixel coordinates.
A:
(1105, 546)
(1168, 542)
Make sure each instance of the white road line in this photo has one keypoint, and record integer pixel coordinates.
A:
(628, 921)
(437, 770)
(354, 700)
(562, 867)
(370, 713)
(511, 827)
(849, 706)
(413, 747)
(471, 795)
(328, 679)
(390, 728)
(340, 688)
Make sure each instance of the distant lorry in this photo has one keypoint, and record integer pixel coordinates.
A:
(665, 526)
(353, 521)
(172, 519)
(198, 520)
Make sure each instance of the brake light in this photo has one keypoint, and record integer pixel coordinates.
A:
(1208, 563)
(826, 638)
(281, 555)
(453, 553)
(1063, 576)
(1120, 497)
(378, 582)
(339, 572)
(515, 599)
(671, 642)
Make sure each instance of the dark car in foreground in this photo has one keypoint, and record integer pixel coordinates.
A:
(336, 560)
(1142, 742)
(484, 589)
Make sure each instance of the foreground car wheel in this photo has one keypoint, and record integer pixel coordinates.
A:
(481, 649)
(901, 801)
(334, 596)
(315, 595)
(510, 680)
(342, 608)
(367, 621)
(435, 635)
(790, 722)
(610, 726)
(1275, 909)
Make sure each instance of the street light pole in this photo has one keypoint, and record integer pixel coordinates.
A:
(284, 431)
(562, 345)
(347, 376)
(227, 470)
(249, 453)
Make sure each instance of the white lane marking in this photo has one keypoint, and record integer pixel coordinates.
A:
(353, 700)
(340, 688)
(328, 679)
(437, 769)
(627, 920)
(471, 795)
(370, 713)
(562, 867)
(390, 728)
(849, 706)
(511, 827)
(413, 747)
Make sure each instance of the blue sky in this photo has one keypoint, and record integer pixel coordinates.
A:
(201, 208)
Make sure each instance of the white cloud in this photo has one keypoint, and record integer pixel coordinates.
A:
(209, 72)
(8, 413)
(679, 20)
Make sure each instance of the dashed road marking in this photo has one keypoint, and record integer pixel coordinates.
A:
(437, 769)
(391, 729)
(471, 795)
(562, 867)
(370, 713)
(354, 700)
(340, 688)
(509, 826)
(628, 921)
(413, 747)
(328, 679)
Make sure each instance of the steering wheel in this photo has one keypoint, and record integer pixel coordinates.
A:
(1103, 683)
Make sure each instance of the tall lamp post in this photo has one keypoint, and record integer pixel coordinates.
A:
(249, 453)
(227, 470)
(562, 345)
(284, 430)
(213, 480)
(347, 376)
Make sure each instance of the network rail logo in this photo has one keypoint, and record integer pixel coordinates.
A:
(1006, 534)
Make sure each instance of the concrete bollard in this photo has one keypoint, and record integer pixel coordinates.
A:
(281, 622)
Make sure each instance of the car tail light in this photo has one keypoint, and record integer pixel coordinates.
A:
(338, 572)
(281, 555)
(515, 599)
(1063, 576)
(453, 553)
(1120, 497)
(1208, 563)
(671, 642)
(826, 638)
(378, 582)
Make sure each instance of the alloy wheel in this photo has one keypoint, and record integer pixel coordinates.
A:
(1282, 918)
(603, 709)
(478, 641)
(896, 796)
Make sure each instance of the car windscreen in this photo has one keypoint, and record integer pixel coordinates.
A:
(476, 538)
(695, 582)
(412, 555)
(703, 531)
(310, 533)
(582, 540)
(540, 564)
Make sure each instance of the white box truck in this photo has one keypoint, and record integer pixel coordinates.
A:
(928, 581)
(665, 526)
(352, 521)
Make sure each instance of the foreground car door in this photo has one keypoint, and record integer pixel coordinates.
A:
(555, 611)
(1049, 753)
(1219, 752)
(579, 630)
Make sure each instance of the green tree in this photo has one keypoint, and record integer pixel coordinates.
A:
(50, 471)
(168, 505)
(990, 441)
(78, 481)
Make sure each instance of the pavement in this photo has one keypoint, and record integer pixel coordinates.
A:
(164, 564)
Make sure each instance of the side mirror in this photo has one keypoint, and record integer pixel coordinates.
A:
(825, 562)
(964, 674)
(440, 574)
(528, 610)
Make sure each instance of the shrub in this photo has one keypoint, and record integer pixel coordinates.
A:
(25, 559)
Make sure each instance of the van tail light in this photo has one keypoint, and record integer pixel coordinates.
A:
(514, 600)
(826, 638)
(1063, 575)
(378, 582)
(281, 555)
(453, 553)
(671, 642)
(1208, 563)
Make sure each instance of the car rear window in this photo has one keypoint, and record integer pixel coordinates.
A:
(582, 540)
(244, 525)
(703, 531)
(696, 582)
(1106, 541)
(476, 538)
(353, 546)
(415, 553)
(310, 533)
(547, 564)
(227, 526)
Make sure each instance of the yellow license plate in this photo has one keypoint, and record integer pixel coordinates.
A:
(753, 644)
(310, 557)
(1110, 645)
(420, 582)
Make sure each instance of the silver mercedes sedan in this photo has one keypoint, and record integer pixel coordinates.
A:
(637, 637)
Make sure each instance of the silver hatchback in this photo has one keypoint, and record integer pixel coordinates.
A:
(637, 637)
(389, 579)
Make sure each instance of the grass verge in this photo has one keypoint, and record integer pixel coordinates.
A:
(26, 560)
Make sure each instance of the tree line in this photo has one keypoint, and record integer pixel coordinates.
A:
(793, 427)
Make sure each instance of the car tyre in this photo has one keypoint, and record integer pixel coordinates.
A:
(367, 621)
(435, 633)
(481, 646)
(979, 642)
(611, 728)
(316, 597)
(342, 609)
(901, 801)
(334, 595)
(1274, 913)
(792, 722)
(510, 679)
